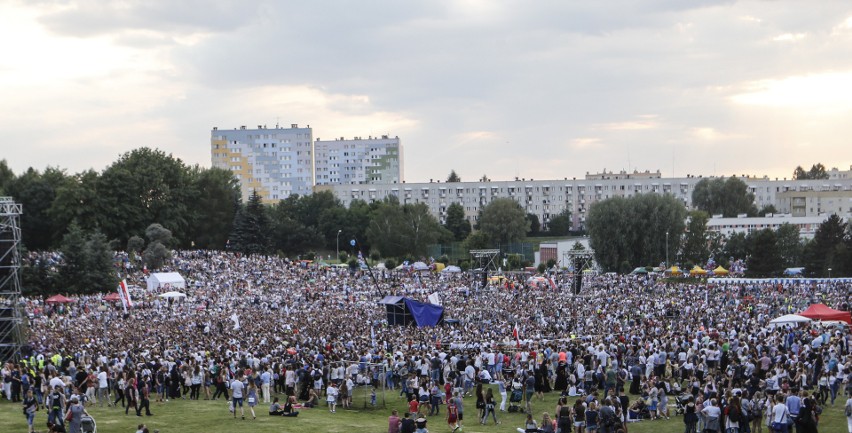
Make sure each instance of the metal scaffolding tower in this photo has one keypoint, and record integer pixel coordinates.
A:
(11, 314)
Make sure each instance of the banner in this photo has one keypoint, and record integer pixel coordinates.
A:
(126, 302)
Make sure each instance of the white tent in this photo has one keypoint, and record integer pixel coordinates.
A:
(452, 269)
(172, 295)
(173, 279)
(787, 319)
(420, 266)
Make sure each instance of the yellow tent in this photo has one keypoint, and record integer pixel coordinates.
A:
(439, 266)
(697, 271)
(674, 270)
(720, 271)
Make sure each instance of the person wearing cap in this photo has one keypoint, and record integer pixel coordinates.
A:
(75, 415)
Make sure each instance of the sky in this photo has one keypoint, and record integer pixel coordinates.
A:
(533, 89)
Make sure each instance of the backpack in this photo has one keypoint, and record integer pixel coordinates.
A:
(607, 418)
(734, 414)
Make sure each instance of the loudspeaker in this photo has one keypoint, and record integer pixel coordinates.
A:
(484, 278)
(6, 313)
(578, 282)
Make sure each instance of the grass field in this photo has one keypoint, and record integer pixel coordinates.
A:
(183, 416)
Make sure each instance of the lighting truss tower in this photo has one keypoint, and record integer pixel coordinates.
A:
(11, 315)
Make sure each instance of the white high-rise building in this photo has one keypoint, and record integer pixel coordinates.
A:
(275, 162)
(358, 160)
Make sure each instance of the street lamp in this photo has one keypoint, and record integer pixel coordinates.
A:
(667, 249)
(829, 272)
(338, 245)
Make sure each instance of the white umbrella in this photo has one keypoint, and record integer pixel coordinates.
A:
(452, 269)
(420, 266)
(172, 295)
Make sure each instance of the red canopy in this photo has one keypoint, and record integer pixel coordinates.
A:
(822, 312)
(58, 299)
(112, 297)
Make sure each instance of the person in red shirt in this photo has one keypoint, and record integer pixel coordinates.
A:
(452, 415)
(413, 405)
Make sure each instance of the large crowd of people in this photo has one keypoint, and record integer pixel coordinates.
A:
(633, 346)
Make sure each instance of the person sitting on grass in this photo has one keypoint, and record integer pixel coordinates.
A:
(275, 408)
(288, 407)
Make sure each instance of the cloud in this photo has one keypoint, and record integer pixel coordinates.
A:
(642, 122)
(826, 92)
(789, 37)
(562, 82)
(584, 143)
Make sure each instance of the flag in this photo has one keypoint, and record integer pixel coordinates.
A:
(515, 334)
(373, 335)
(435, 299)
(124, 295)
(236, 320)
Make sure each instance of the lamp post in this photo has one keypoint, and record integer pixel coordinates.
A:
(829, 272)
(667, 249)
(338, 245)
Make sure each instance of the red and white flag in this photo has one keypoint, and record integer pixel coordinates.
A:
(126, 302)
(515, 334)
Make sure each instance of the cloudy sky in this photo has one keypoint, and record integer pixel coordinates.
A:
(535, 89)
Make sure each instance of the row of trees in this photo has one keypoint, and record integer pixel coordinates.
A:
(646, 229)
(142, 187)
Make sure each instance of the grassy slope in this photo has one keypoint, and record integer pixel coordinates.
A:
(213, 416)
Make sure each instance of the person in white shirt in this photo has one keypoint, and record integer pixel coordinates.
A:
(331, 397)
(779, 415)
(237, 387)
(103, 388)
(848, 412)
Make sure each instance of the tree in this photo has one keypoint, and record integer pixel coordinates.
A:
(560, 224)
(6, 176)
(36, 192)
(695, 244)
(764, 261)
(789, 245)
(817, 171)
(736, 247)
(216, 199)
(400, 230)
(145, 186)
(251, 227)
(135, 244)
(456, 222)
(535, 225)
(453, 177)
(504, 221)
(157, 252)
(727, 197)
(87, 262)
(478, 240)
(634, 229)
(766, 210)
(827, 249)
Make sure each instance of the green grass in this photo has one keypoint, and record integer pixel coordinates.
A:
(212, 416)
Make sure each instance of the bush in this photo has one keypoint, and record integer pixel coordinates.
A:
(444, 259)
(343, 257)
(310, 255)
(390, 264)
(375, 256)
(464, 265)
(551, 263)
(542, 267)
